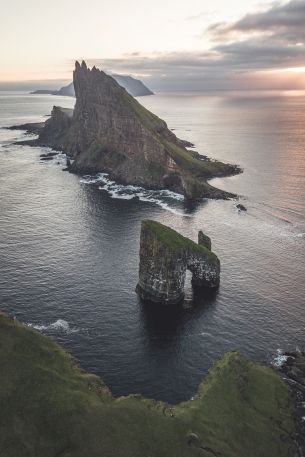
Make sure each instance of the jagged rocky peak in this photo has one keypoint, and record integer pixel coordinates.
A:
(112, 132)
(165, 255)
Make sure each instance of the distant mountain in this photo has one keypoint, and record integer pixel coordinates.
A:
(134, 87)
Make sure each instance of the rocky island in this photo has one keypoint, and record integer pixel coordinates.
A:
(51, 408)
(109, 131)
(165, 255)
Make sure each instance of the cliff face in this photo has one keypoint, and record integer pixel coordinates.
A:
(165, 255)
(111, 132)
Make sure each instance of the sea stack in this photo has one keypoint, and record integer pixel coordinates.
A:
(165, 255)
(112, 132)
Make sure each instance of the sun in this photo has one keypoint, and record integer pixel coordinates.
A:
(296, 69)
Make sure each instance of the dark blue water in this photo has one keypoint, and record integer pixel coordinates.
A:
(69, 249)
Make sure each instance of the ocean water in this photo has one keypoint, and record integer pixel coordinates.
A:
(69, 245)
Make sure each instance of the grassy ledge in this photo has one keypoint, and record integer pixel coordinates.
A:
(173, 240)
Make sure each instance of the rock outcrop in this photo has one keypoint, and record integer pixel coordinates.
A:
(204, 240)
(111, 132)
(165, 255)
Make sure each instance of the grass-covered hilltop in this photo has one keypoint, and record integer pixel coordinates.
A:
(112, 132)
(51, 408)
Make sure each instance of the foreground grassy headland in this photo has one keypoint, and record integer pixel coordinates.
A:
(51, 408)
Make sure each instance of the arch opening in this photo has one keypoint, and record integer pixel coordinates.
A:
(188, 286)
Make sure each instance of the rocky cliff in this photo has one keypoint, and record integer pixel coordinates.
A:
(165, 255)
(52, 408)
(111, 132)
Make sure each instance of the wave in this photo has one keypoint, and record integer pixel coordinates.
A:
(60, 158)
(162, 198)
(279, 359)
(59, 325)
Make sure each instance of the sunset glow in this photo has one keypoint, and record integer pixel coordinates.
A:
(190, 46)
(296, 70)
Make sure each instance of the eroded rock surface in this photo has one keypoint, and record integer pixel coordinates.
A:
(165, 255)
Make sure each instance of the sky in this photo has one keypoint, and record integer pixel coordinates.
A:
(169, 44)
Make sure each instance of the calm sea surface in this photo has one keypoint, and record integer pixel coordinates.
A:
(69, 246)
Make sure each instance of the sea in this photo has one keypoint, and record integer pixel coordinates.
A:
(69, 245)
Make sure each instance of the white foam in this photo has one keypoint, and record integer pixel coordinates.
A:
(279, 359)
(129, 192)
(59, 158)
(60, 325)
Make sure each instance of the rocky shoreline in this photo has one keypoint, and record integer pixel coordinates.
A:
(293, 373)
(210, 192)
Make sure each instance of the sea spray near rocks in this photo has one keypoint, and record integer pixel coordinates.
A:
(164, 198)
(59, 325)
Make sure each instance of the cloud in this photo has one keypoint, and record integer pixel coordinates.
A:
(258, 42)
(200, 15)
(283, 22)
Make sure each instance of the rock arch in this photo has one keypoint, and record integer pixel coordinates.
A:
(165, 255)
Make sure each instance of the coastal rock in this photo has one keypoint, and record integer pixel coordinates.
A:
(165, 255)
(30, 128)
(241, 207)
(204, 240)
(111, 132)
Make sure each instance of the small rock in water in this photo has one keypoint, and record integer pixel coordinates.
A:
(48, 155)
(241, 207)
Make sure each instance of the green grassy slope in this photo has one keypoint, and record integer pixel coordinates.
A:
(187, 160)
(50, 408)
(174, 240)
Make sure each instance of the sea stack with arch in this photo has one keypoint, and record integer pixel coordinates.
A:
(165, 255)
